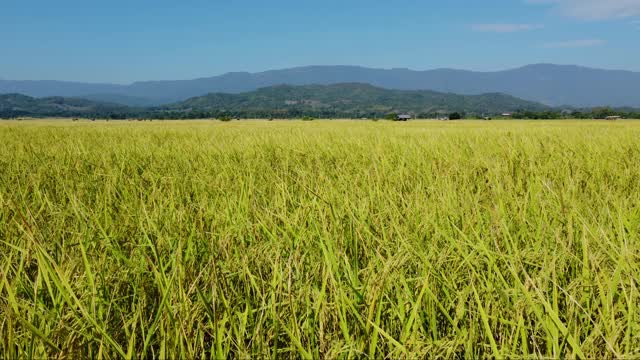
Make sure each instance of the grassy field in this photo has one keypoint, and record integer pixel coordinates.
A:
(319, 239)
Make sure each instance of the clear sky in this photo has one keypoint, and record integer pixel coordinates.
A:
(122, 41)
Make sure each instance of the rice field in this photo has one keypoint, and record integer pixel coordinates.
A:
(319, 239)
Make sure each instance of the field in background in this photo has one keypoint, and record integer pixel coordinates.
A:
(319, 239)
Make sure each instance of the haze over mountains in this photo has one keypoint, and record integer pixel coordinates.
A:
(553, 85)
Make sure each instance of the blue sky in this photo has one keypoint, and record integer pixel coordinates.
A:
(123, 41)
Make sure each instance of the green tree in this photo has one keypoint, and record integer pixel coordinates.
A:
(602, 112)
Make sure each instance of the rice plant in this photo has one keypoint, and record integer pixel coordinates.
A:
(344, 239)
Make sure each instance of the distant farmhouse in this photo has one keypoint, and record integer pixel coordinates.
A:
(507, 114)
(404, 117)
(613, 118)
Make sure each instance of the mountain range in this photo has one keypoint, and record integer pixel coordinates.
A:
(286, 101)
(553, 85)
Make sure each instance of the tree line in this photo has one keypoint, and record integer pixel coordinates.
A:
(595, 113)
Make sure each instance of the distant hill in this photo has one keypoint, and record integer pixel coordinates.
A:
(48, 88)
(553, 85)
(14, 105)
(351, 100)
(135, 101)
(328, 101)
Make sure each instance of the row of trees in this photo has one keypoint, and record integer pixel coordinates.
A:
(596, 113)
